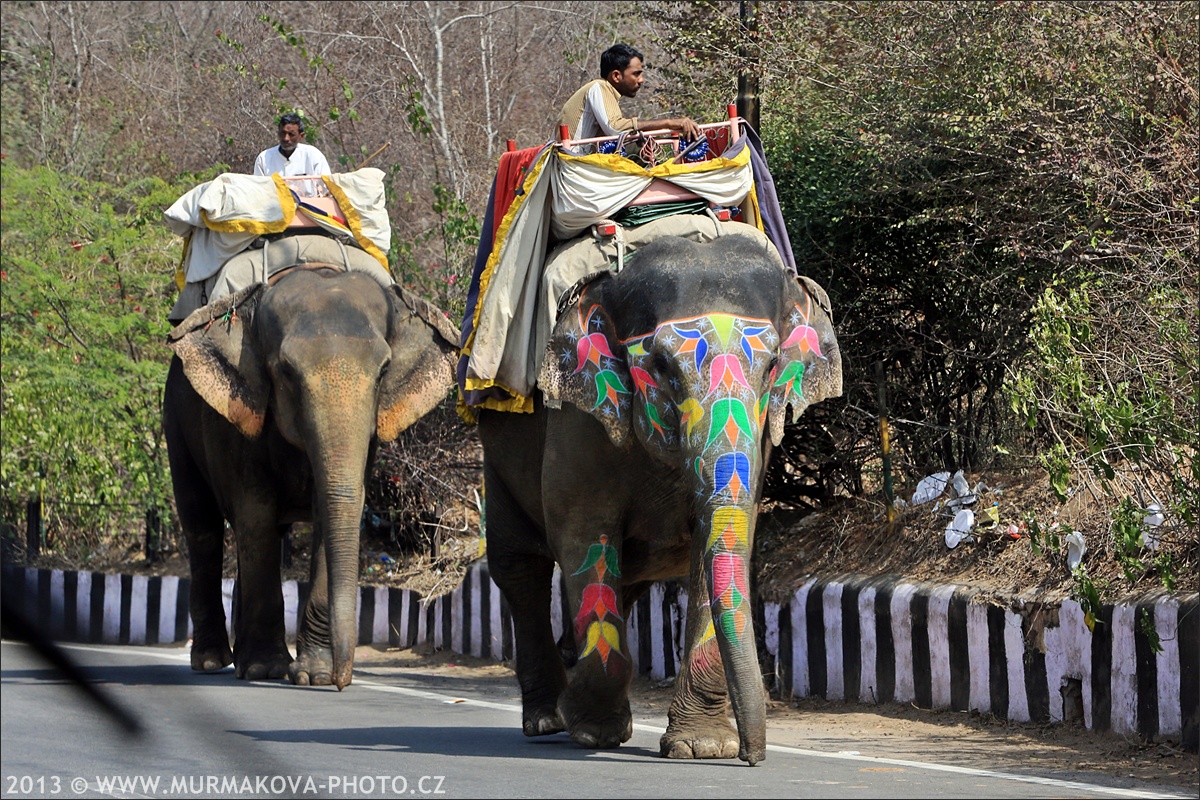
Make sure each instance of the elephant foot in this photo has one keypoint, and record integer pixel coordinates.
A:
(541, 721)
(310, 669)
(211, 658)
(596, 727)
(712, 739)
(268, 666)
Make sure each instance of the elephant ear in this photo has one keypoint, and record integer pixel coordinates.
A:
(421, 373)
(809, 367)
(584, 364)
(220, 361)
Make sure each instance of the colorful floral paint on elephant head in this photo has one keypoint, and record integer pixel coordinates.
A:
(727, 362)
(713, 398)
(598, 603)
(701, 389)
(732, 360)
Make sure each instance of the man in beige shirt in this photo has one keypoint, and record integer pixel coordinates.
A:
(595, 109)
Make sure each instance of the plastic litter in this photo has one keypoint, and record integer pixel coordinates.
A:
(961, 490)
(930, 488)
(1150, 524)
(991, 516)
(959, 529)
(1076, 548)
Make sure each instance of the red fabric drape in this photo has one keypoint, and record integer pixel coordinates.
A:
(509, 177)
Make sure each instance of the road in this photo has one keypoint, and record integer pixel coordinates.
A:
(389, 735)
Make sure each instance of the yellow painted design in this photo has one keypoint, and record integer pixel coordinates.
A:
(603, 638)
(723, 325)
(690, 413)
(731, 527)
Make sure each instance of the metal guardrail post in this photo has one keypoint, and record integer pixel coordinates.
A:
(885, 443)
(153, 546)
(33, 528)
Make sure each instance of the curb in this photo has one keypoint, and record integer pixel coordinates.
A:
(869, 640)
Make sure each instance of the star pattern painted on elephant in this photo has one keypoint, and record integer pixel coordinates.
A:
(590, 349)
(730, 355)
(727, 348)
(598, 602)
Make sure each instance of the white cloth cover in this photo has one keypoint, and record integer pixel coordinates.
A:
(564, 194)
(590, 188)
(222, 217)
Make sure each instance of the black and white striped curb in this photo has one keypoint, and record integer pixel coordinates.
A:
(872, 640)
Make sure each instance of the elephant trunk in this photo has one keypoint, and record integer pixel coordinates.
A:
(342, 565)
(727, 565)
(338, 506)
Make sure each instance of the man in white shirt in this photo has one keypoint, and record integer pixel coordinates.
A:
(594, 110)
(293, 157)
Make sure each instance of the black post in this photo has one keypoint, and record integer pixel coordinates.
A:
(33, 529)
(885, 444)
(747, 99)
(153, 547)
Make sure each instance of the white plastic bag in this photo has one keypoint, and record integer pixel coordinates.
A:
(1076, 548)
(930, 488)
(959, 529)
(1150, 523)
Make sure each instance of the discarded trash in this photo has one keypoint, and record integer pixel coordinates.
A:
(930, 488)
(1150, 523)
(959, 529)
(991, 516)
(961, 490)
(1076, 547)
(1014, 530)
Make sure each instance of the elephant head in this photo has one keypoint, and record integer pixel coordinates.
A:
(695, 352)
(336, 363)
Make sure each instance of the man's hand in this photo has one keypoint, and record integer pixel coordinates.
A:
(685, 125)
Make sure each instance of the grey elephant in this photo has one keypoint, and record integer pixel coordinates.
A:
(664, 387)
(276, 399)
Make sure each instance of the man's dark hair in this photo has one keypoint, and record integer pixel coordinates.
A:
(617, 57)
(292, 118)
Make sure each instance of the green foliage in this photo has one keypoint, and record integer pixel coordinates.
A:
(1000, 200)
(1087, 595)
(1146, 627)
(87, 284)
(455, 239)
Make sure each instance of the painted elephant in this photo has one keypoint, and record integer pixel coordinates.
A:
(665, 385)
(275, 401)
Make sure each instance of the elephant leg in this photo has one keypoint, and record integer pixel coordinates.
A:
(314, 646)
(698, 723)
(595, 705)
(204, 530)
(206, 543)
(260, 649)
(524, 575)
